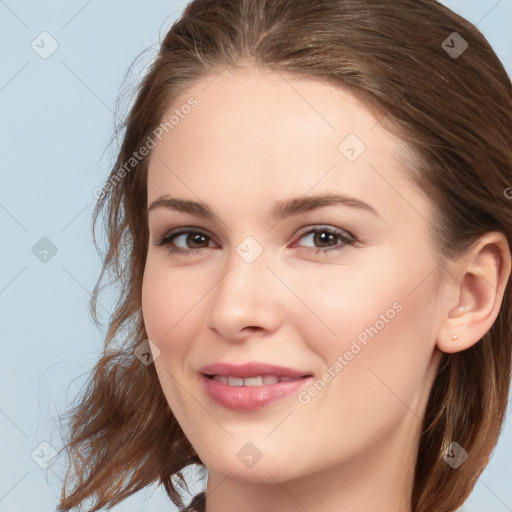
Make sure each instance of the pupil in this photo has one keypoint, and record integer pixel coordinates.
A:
(322, 239)
(196, 239)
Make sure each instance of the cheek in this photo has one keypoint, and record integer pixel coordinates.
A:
(173, 312)
(167, 312)
(155, 298)
(374, 331)
(168, 302)
(340, 302)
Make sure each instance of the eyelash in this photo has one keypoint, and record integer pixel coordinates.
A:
(168, 238)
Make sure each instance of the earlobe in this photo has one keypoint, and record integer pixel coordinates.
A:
(484, 272)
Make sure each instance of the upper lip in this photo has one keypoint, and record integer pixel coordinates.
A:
(251, 369)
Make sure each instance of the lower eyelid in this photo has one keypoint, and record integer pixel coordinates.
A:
(345, 238)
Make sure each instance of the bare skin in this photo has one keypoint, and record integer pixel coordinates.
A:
(256, 138)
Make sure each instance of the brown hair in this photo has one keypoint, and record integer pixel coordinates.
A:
(454, 112)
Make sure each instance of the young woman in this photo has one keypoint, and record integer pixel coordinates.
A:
(310, 218)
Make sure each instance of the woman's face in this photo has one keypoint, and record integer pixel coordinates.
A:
(345, 294)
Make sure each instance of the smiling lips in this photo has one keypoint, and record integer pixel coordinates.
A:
(250, 386)
(260, 380)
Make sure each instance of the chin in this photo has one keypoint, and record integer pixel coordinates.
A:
(260, 474)
(266, 470)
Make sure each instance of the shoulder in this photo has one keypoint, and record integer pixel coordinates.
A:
(198, 504)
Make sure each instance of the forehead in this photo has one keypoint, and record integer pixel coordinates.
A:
(259, 133)
(262, 107)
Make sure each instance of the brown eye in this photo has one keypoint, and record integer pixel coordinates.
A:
(327, 239)
(190, 241)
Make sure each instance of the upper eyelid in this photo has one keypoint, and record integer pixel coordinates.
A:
(181, 230)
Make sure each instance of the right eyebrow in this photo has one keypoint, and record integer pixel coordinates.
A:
(182, 205)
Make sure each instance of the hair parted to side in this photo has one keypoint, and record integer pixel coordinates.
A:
(456, 117)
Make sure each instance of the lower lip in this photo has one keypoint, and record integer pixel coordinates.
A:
(250, 398)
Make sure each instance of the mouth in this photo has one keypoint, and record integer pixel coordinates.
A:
(258, 380)
(252, 373)
(251, 386)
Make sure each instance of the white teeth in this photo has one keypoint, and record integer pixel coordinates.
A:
(253, 381)
(265, 380)
(270, 379)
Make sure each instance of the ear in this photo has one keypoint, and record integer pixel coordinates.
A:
(475, 293)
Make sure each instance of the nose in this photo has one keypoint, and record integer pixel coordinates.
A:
(246, 300)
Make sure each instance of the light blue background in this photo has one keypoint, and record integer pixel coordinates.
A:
(56, 121)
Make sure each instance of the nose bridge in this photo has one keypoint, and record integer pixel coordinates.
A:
(246, 294)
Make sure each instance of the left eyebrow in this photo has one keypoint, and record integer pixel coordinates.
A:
(304, 204)
(281, 210)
